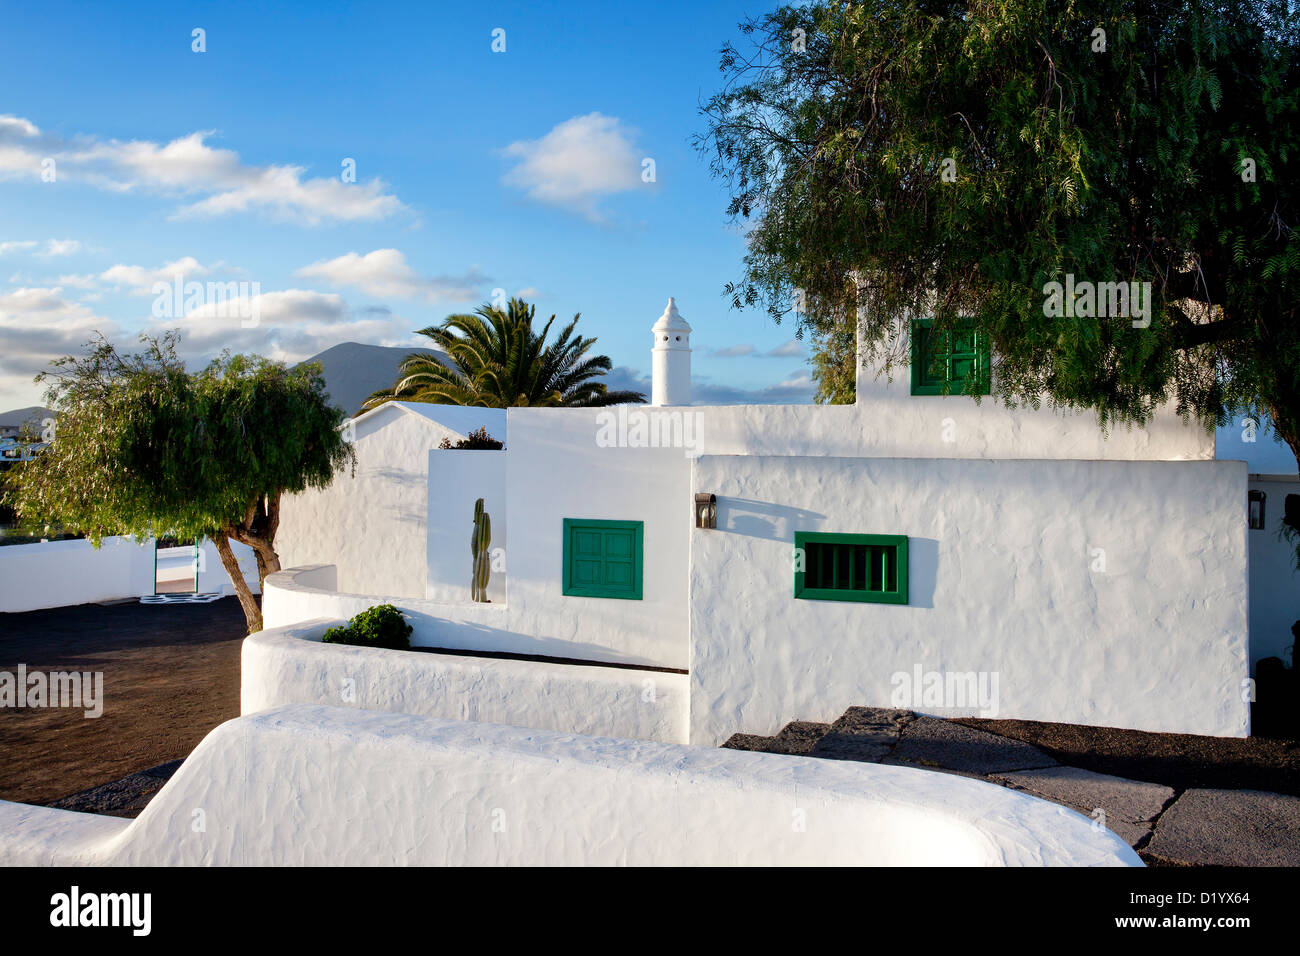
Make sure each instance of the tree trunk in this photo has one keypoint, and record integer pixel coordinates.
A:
(261, 521)
(252, 613)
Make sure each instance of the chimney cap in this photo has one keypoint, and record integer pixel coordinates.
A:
(671, 320)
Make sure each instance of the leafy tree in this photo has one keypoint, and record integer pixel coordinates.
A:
(922, 157)
(145, 448)
(477, 440)
(834, 364)
(498, 361)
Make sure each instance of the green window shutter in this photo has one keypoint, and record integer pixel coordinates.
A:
(951, 362)
(868, 568)
(602, 559)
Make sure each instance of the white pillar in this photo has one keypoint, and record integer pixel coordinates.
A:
(671, 380)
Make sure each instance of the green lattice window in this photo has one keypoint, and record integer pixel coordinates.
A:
(602, 559)
(871, 568)
(949, 362)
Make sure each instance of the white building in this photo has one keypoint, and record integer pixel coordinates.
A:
(912, 540)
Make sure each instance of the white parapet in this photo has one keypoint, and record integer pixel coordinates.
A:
(322, 786)
(290, 665)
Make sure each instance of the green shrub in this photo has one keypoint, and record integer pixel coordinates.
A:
(379, 626)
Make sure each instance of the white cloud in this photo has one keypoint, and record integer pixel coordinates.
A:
(188, 166)
(49, 248)
(386, 273)
(61, 247)
(734, 351)
(577, 163)
(791, 349)
(292, 324)
(140, 279)
(38, 324)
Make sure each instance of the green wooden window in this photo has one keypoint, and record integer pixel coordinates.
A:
(949, 362)
(602, 559)
(871, 568)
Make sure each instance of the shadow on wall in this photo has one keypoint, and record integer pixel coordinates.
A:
(399, 477)
(773, 522)
(762, 519)
(433, 631)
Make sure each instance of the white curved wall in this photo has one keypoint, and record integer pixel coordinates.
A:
(291, 666)
(309, 786)
(1005, 580)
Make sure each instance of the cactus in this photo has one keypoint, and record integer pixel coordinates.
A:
(480, 547)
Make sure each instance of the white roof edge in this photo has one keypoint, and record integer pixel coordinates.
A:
(486, 416)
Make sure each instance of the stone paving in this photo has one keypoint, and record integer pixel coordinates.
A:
(1194, 827)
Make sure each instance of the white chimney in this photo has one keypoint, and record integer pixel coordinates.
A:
(671, 383)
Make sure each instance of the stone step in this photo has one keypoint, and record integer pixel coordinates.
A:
(863, 733)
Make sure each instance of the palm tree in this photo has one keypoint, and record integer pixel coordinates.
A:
(498, 361)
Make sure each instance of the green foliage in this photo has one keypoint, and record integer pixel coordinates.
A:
(379, 626)
(834, 364)
(498, 361)
(1122, 164)
(145, 448)
(480, 546)
(478, 440)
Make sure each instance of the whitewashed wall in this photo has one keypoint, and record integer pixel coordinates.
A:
(456, 480)
(901, 425)
(1274, 583)
(371, 525)
(1002, 581)
(325, 786)
(291, 666)
(558, 471)
(60, 573)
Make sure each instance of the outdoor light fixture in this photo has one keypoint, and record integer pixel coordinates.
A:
(1256, 510)
(706, 510)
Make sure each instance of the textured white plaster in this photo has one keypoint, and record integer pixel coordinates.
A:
(315, 786)
(370, 524)
(1001, 581)
(291, 666)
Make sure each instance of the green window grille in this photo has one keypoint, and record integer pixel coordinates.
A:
(950, 361)
(870, 568)
(602, 559)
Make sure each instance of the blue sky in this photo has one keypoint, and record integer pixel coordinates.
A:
(475, 170)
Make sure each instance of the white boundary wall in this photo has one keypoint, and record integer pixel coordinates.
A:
(1002, 581)
(315, 786)
(292, 666)
(61, 573)
(1274, 584)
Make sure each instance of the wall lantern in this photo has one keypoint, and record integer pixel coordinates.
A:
(1256, 510)
(706, 510)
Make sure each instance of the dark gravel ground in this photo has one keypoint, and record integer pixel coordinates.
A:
(171, 674)
(1180, 761)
